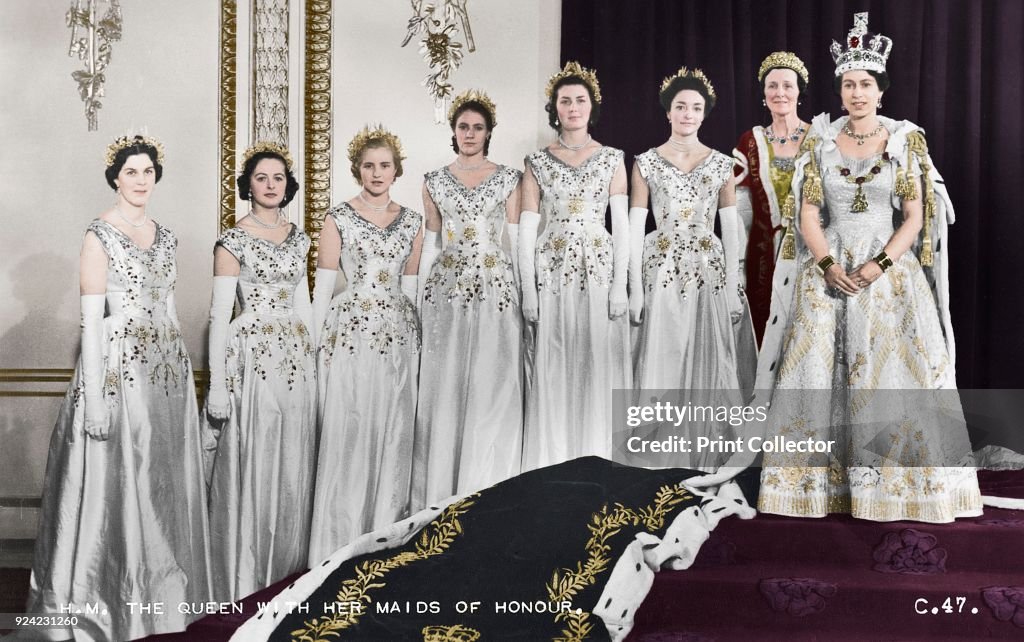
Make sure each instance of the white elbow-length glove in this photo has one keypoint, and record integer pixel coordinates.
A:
(303, 306)
(323, 292)
(618, 304)
(528, 224)
(637, 232)
(410, 288)
(97, 424)
(731, 243)
(220, 321)
(513, 250)
(431, 249)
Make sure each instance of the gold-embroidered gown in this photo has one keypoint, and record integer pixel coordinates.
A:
(261, 493)
(581, 355)
(863, 361)
(469, 423)
(367, 364)
(124, 519)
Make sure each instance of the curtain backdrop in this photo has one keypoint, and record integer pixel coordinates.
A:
(956, 68)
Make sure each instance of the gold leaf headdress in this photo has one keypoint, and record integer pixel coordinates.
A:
(785, 59)
(685, 72)
(573, 68)
(126, 141)
(473, 95)
(366, 135)
(267, 146)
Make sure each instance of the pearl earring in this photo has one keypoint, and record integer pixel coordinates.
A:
(764, 103)
(879, 103)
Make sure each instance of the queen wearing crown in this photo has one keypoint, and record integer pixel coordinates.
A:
(859, 348)
(262, 401)
(123, 517)
(469, 420)
(574, 278)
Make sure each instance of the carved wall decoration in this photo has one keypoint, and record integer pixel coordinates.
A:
(317, 123)
(90, 41)
(227, 115)
(440, 24)
(270, 71)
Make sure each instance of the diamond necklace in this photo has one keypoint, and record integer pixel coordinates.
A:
(860, 138)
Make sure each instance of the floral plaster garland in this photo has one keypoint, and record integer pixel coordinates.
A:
(439, 24)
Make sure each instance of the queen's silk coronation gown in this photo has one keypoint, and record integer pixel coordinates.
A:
(685, 344)
(469, 423)
(840, 358)
(261, 493)
(367, 364)
(124, 519)
(581, 356)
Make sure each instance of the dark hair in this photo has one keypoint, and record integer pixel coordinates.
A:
(122, 156)
(552, 108)
(801, 84)
(881, 79)
(682, 83)
(243, 181)
(478, 107)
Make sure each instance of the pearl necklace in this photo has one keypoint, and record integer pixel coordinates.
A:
(124, 218)
(782, 140)
(375, 208)
(574, 148)
(860, 138)
(270, 226)
(471, 168)
(683, 147)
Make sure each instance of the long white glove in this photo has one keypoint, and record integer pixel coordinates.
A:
(172, 309)
(428, 254)
(410, 289)
(637, 232)
(323, 292)
(513, 247)
(528, 224)
(617, 301)
(731, 242)
(220, 320)
(97, 424)
(303, 306)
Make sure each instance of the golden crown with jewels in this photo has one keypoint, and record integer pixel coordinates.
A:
(685, 72)
(267, 146)
(128, 140)
(573, 68)
(367, 135)
(785, 59)
(860, 54)
(456, 633)
(474, 96)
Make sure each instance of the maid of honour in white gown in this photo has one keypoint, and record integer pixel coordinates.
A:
(574, 279)
(124, 504)
(368, 352)
(262, 401)
(469, 421)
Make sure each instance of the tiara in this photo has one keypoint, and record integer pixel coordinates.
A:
(857, 56)
(573, 68)
(686, 73)
(126, 141)
(785, 59)
(475, 96)
(365, 135)
(267, 146)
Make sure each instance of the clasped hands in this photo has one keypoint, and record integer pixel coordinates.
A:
(853, 282)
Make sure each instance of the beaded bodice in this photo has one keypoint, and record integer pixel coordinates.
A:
(472, 218)
(685, 200)
(138, 281)
(269, 272)
(373, 258)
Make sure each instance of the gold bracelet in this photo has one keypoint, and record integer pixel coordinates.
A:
(883, 261)
(825, 263)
